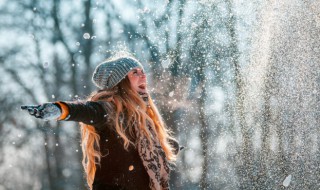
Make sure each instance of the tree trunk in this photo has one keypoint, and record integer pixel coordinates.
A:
(47, 151)
(204, 136)
(87, 48)
(245, 154)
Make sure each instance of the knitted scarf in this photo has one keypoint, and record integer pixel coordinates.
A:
(153, 157)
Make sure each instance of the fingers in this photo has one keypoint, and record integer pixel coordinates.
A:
(38, 113)
(24, 107)
(33, 110)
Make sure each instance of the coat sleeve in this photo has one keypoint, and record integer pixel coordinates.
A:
(91, 113)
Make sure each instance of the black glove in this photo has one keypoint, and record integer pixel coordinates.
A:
(176, 147)
(145, 97)
(46, 111)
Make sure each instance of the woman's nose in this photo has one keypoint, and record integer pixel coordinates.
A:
(143, 75)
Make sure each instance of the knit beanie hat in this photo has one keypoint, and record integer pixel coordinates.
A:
(109, 73)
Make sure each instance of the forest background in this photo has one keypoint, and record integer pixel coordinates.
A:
(237, 82)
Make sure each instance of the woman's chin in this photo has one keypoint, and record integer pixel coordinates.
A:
(142, 90)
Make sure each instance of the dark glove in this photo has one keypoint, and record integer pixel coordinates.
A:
(176, 147)
(46, 111)
(145, 97)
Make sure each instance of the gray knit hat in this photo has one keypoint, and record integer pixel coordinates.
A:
(109, 73)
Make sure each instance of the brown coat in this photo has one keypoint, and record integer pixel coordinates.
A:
(119, 169)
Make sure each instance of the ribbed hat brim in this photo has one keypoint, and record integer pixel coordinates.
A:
(108, 74)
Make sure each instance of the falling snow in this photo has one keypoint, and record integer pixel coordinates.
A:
(236, 81)
(86, 36)
(287, 181)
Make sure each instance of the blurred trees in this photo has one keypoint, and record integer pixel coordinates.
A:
(220, 77)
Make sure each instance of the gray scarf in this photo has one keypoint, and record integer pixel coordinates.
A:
(153, 157)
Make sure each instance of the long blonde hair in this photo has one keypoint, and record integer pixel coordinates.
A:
(130, 105)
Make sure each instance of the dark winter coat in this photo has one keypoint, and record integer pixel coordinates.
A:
(119, 169)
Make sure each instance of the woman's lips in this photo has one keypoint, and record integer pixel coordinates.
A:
(142, 86)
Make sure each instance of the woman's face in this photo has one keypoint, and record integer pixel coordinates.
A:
(138, 80)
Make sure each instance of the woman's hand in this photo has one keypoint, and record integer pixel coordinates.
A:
(46, 111)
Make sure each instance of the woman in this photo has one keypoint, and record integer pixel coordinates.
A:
(125, 142)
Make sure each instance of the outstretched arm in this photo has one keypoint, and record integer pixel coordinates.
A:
(91, 113)
(46, 111)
